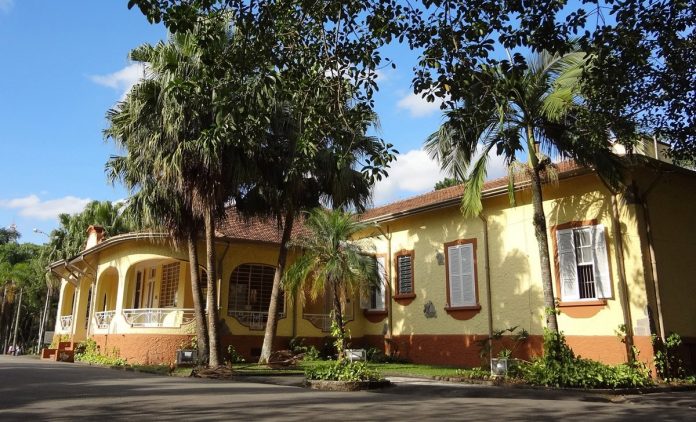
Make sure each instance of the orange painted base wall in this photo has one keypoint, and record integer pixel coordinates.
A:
(464, 350)
(142, 348)
(456, 350)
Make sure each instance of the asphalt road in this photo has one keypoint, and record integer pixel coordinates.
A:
(31, 389)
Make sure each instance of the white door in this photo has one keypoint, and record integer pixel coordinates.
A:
(149, 295)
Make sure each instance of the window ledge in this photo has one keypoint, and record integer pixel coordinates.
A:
(404, 298)
(463, 313)
(582, 308)
(375, 311)
(591, 302)
(375, 315)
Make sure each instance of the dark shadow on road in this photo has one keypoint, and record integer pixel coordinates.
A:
(43, 390)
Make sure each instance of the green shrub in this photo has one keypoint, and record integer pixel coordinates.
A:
(233, 356)
(474, 373)
(667, 361)
(297, 345)
(559, 367)
(376, 355)
(312, 354)
(342, 370)
(328, 349)
(88, 351)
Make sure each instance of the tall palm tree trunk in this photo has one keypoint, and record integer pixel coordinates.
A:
(338, 318)
(2, 317)
(198, 301)
(16, 323)
(44, 317)
(539, 220)
(272, 321)
(213, 334)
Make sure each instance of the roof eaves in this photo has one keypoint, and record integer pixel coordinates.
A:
(489, 193)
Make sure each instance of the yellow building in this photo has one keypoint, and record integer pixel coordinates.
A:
(619, 260)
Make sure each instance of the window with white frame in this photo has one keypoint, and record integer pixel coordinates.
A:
(169, 285)
(461, 277)
(250, 290)
(404, 272)
(583, 263)
(378, 293)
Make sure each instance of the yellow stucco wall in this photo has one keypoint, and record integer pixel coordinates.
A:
(517, 297)
(672, 211)
(516, 292)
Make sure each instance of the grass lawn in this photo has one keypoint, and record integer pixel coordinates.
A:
(388, 369)
(414, 370)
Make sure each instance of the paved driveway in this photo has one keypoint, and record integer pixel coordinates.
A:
(38, 390)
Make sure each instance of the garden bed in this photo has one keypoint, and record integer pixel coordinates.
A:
(326, 385)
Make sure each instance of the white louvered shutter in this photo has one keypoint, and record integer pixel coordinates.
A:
(601, 264)
(380, 290)
(364, 300)
(455, 275)
(468, 280)
(568, 265)
(461, 275)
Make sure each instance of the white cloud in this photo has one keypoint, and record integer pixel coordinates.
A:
(6, 5)
(412, 173)
(418, 106)
(121, 80)
(415, 173)
(33, 207)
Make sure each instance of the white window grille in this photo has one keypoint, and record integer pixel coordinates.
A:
(169, 285)
(250, 294)
(583, 263)
(378, 293)
(404, 268)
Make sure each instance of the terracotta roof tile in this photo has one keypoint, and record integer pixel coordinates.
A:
(447, 195)
(234, 226)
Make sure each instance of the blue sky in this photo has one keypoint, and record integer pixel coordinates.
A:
(66, 65)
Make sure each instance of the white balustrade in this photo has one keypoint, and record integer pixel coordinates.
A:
(103, 319)
(321, 321)
(66, 322)
(255, 320)
(158, 317)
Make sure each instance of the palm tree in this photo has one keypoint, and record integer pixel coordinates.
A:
(147, 126)
(520, 115)
(155, 206)
(330, 261)
(70, 237)
(196, 149)
(288, 181)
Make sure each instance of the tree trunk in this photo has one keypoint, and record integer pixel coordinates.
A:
(338, 318)
(541, 234)
(2, 318)
(44, 317)
(272, 321)
(213, 334)
(16, 324)
(198, 301)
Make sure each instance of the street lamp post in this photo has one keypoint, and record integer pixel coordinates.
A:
(44, 314)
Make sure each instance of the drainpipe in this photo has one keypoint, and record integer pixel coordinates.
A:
(623, 283)
(621, 266)
(294, 315)
(643, 200)
(219, 271)
(390, 317)
(489, 295)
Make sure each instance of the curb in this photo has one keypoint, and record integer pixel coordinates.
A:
(598, 391)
